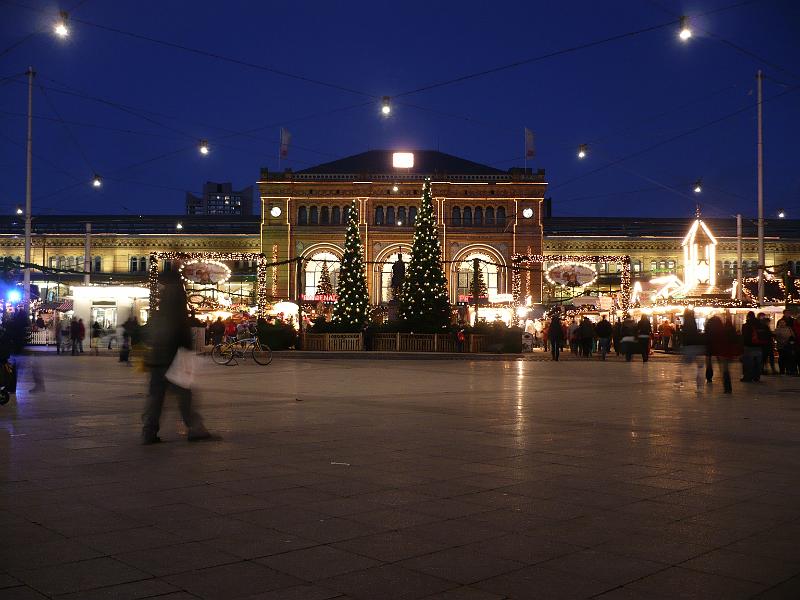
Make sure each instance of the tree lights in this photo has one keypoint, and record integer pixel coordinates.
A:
(352, 303)
(423, 297)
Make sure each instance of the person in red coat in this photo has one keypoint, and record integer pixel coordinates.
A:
(723, 342)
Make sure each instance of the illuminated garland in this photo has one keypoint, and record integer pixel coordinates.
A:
(274, 270)
(768, 281)
(706, 302)
(566, 264)
(261, 272)
(625, 276)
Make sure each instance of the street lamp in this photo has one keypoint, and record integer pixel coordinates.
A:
(179, 226)
(386, 106)
(97, 181)
(781, 214)
(61, 28)
(686, 31)
(20, 211)
(582, 149)
(698, 186)
(204, 149)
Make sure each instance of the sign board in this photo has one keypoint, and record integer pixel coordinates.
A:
(319, 298)
(205, 272)
(571, 275)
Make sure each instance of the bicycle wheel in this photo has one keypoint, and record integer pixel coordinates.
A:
(261, 353)
(222, 354)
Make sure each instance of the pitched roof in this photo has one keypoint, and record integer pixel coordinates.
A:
(426, 162)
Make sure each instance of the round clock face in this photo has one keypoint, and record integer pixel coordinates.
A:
(275, 211)
(527, 213)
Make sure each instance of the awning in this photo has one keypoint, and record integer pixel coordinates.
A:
(65, 306)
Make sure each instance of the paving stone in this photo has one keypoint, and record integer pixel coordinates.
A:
(759, 569)
(84, 575)
(176, 559)
(388, 582)
(537, 582)
(127, 591)
(319, 562)
(391, 546)
(685, 583)
(461, 565)
(232, 581)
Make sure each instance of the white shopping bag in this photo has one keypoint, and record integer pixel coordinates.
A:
(181, 371)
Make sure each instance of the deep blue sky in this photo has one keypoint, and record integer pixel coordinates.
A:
(620, 97)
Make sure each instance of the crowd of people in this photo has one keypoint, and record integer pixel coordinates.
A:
(756, 344)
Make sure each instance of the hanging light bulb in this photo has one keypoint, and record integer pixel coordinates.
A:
(204, 149)
(20, 211)
(698, 186)
(386, 106)
(61, 28)
(685, 31)
(582, 149)
(97, 181)
(781, 214)
(179, 226)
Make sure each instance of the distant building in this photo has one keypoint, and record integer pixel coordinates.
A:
(220, 199)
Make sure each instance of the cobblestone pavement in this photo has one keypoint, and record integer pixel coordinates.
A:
(403, 480)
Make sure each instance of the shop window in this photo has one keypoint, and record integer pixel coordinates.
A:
(412, 215)
(456, 217)
(401, 216)
(390, 215)
(324, 216)
(378, 215)
(467, 216)
(313, 272)
(478, 215)
(489, 215)
(313, 216)
(336, 215)
(500, 215)
(302, 215)
(168, 265)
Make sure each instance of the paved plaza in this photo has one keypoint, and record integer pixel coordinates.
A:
(390, 480)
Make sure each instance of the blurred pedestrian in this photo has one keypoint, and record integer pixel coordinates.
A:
(604, 332)
(725, 345)
(169, 330)
(74, 334)
(752, 353)
(628, 339)
(693, 347)
(572, 332)
(555, 333)
(643, 332)
(59, 335)
(786, 342)
(586, 337)
(767, 344)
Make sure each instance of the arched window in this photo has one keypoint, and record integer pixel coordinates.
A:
(653, 266)
(386, 274)
(456, 218)
(336, 215)
(134, 264)
(478, 215)
(662, 265)
(378, 215)
(401, 216)
(313, 216)
(98, 264)
(143, 263)
(412, 215)
(302, 215)
(500, 215)
(324, 216)
(671, 266)
(466, 270)
(71, 262)
(168, 265)
(62, 262)
(314, 271)
(489, 215)
(390, 215)
(726, 267)
(467, 216)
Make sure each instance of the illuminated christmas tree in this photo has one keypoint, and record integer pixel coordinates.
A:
(352, 303)
(324, 287)
(483, 291)
(424, 304)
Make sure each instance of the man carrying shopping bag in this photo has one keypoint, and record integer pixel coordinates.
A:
(171, 362)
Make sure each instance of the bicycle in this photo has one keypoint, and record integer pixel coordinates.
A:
(227, 352)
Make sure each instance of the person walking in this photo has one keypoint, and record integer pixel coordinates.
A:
(628, 339)
(616, 337)
(572, 332)
(554, 336)
(752, 352)
(724, 344)
(786, 342)
(604, 332)
(643, 332)
(767, 344)
(81, 335)
(693, 348)
(74, 335)
(586, 336)
(58, 333)
(169, 330)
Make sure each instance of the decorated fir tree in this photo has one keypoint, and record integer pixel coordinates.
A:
(352, 303)
(483, 291)
(424, 304)
(324, 286)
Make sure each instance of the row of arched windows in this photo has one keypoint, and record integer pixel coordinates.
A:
(749, 268)
(325, 215)
(138, 265)
(392, 215)
(75, 263)
(477, 216)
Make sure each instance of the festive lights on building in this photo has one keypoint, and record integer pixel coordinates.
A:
(204, 271)
(699, 256)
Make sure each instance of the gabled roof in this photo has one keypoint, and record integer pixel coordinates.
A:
(426, 162)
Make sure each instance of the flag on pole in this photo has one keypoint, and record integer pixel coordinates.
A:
(530, 150)
(285, 139)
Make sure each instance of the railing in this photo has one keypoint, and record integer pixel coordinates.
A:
(42, 337)
(393, 342)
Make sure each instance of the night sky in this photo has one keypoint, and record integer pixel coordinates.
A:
(136, 109)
